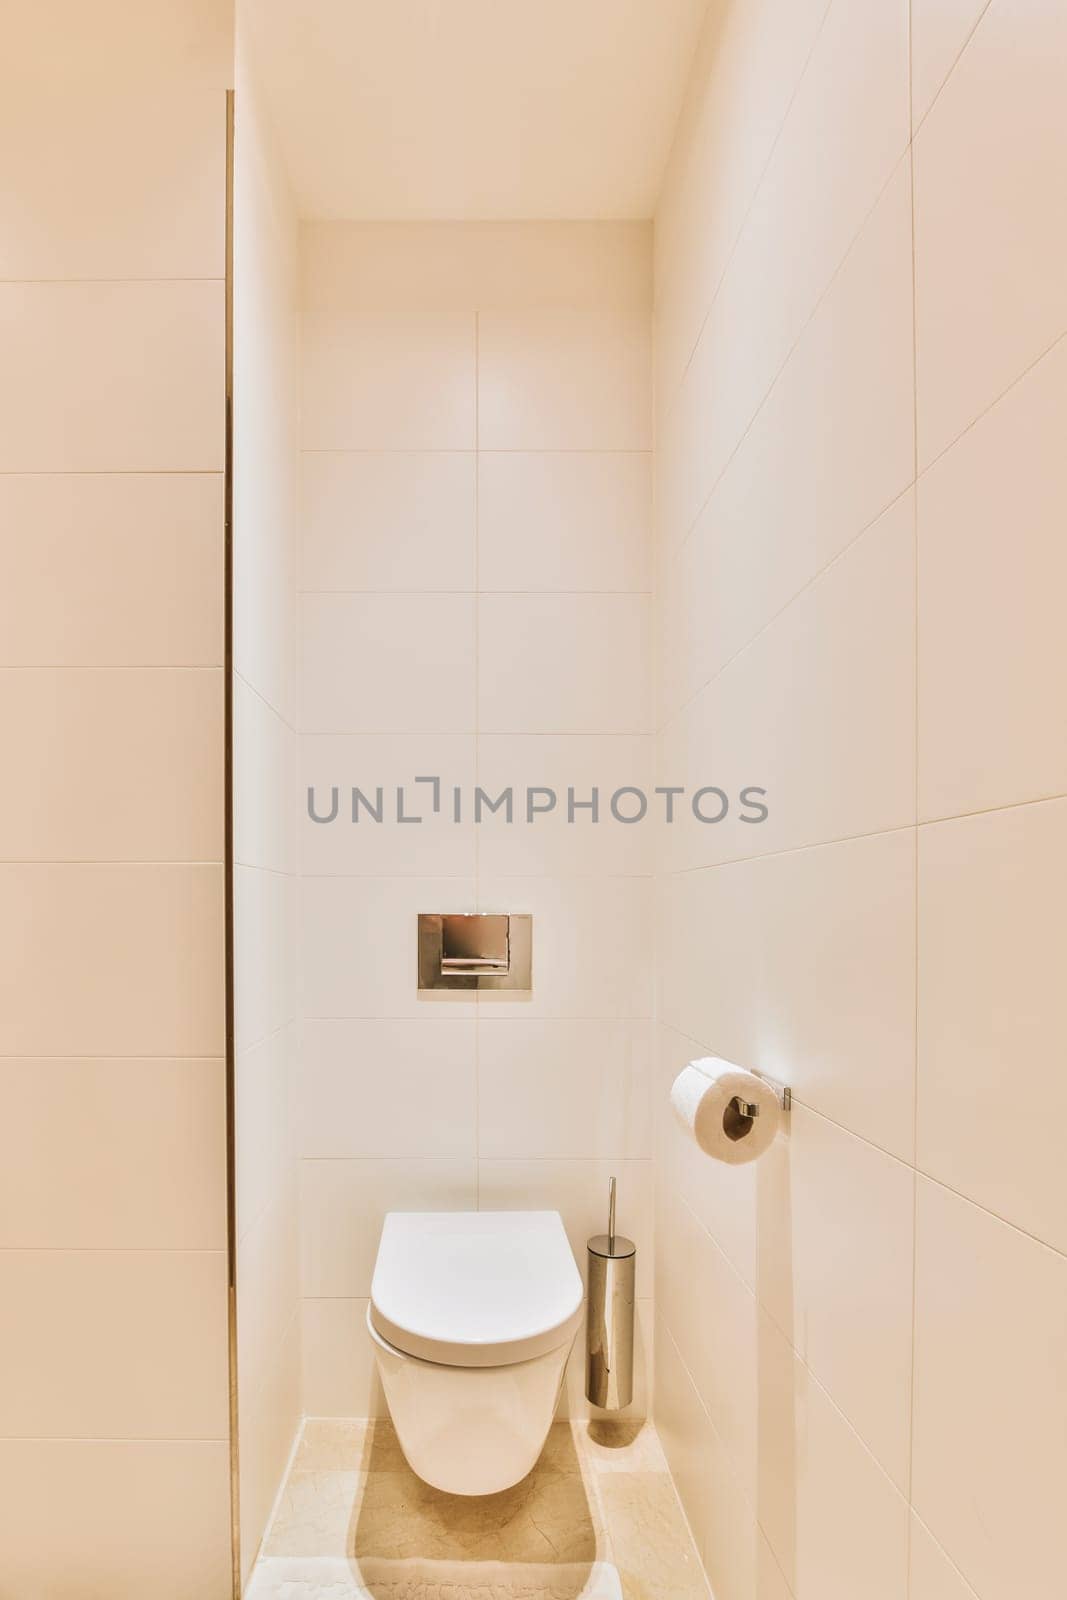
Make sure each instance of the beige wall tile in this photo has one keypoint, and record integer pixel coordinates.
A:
(340, 1378)
(578, 1190)
(992, 1017)
(990, 1396)
(931, 1574)
(565, 663)
(712, 1316)
(550, 520)
(388, 761)
(819, 711)
(590, 946)
(835, 1522)
(151, 1175)
(803, 966)
(264, 783)
(990, 223)
(561, 379)
(358, 942)
(343, 1204)
(265, 932)
(111, 960)
(388, 380)
(836, 1245)
(139, 193)
(137, 1313)
(176, 43)
(846, 130)
(386, 663)
(563, 1088)
(387, 1088)
(552, 844)
(748, 65)
(112, 764)
(832, 447)
(380, 520)
(118, 1499)
(265, 1135)
(82, 362)
(103, 569)
(992, 654)
(940, 30)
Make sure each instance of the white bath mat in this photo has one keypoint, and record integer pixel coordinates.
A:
(335, 1578)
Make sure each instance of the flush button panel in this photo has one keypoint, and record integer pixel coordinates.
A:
(475, 950)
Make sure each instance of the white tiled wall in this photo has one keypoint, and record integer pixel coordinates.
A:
(266, 546)
(114, 1455)
(861, 1345)
(476, 574)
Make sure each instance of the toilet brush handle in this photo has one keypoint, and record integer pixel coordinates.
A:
(611, 1216)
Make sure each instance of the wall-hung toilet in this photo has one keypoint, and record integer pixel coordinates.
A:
(472, 1315)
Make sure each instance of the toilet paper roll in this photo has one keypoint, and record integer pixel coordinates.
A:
(702, 1098)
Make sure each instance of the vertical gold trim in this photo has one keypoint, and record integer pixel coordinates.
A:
(231, 1062)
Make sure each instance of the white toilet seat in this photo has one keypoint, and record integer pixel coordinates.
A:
(475, 1288)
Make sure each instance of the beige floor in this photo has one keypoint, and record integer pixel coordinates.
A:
(601, 1492)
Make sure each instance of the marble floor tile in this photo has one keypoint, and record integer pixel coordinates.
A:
(650, 1539)
(354, 1520)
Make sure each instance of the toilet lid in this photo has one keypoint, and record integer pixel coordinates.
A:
(475, 1288)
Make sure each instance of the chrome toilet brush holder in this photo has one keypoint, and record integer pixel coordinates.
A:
(609, 1336)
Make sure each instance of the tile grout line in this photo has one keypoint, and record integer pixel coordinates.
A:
(909, 1466)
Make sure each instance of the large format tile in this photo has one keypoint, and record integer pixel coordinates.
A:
(746, 69)
(387, 663)
(264, 1131)
(835, 1522)
(114, 1344)
(712, 1317)
(387, 1088)
(990, 218)
(380, 520)
(551, 520)
(564, 379)
(591, 946)
(117, 764)
(340, 1378)
(818, 711)
(151, 1175)
(103, 204)
(564, 663)
(802, 966)
(82, 363)
(388, 380)
(359, 942)
(992, 1013)
(990, 1451)
(368, 835)
(111, 569)
(931, 1574)
(830, 450)
(566, 839)
(118, 1524)
(265, 929)
(563, 1088)
(111, 960)
(835, 1269)
(845, 132)
(578, 1190)
(343, 1205)
(940, 30)
(992, 652)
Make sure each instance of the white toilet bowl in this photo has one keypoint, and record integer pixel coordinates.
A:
(472, 1316)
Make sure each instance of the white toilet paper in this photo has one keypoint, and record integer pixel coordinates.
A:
(701, 1098)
